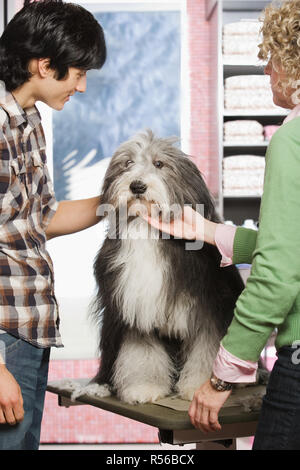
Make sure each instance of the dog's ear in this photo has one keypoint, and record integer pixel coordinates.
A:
(104, 207)
(103, 210)
(113, 170)
(206, 198)
(197, 191)
(210, 212)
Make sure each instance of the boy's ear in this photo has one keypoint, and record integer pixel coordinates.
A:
(40, 67)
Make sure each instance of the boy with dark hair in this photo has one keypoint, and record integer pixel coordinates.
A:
(45, 52)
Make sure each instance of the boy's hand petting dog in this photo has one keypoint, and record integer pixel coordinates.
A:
(190, 226)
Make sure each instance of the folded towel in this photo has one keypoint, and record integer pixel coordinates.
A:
(243, 162)
(243, 27)
(253, 100)
(241, 46)
(249, 82)
(243, 130)
(243, 175)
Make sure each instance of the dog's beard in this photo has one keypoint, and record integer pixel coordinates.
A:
(129, 212)
(140, 207)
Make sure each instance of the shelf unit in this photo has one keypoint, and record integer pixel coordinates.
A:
(220, 12)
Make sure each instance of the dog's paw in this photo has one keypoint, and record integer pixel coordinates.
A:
(68, 384)
(187, 394)
(146, 393)
(186, 388)
(92, 390)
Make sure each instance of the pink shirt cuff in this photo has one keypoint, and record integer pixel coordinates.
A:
(224, 238)
(232, 369)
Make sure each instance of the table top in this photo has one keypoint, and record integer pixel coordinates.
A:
(160, 416)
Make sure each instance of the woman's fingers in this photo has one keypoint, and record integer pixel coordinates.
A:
(185, 226)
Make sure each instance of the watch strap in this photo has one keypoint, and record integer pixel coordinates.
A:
(220, 385)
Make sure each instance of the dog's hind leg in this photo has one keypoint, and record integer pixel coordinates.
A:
(199, 358)
(143, 370)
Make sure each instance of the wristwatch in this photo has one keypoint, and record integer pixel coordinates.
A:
(220, 385)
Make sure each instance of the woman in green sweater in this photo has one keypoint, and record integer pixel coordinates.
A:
(271, 298)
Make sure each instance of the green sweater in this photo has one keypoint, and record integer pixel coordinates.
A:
(271, 298)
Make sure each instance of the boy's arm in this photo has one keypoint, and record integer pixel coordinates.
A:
(73, 216)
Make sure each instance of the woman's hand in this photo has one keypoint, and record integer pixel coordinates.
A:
(205, 407)
(190, 226)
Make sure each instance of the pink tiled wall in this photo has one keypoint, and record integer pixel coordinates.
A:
(202, 37)
(87, 424)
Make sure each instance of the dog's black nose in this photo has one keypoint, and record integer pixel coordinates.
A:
(138, 187)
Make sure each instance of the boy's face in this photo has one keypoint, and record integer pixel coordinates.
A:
(55, 93)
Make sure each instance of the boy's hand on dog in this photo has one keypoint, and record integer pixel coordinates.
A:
(205, 407)
(11, 401)
(190, 226)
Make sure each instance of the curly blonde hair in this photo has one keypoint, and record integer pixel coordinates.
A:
(281, 39)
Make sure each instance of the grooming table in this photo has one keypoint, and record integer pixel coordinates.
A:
(174, 425)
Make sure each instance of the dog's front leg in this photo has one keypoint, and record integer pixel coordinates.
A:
(143, 370)
(198, 356)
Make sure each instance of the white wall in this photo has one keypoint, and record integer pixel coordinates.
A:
(73, 257)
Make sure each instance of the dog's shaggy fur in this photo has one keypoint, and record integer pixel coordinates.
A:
(162, 309)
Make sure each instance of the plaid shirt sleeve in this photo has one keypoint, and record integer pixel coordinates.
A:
(48, 199)
(49, 202)
(4, 168)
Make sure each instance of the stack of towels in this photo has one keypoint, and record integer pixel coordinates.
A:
(249, 93)
(247, 132)
(240, 41)
(243, 175)
(243, 132)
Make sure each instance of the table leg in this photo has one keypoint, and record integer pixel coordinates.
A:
(229, 444)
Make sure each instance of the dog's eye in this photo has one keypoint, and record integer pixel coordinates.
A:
(158, 164)
(128, 163)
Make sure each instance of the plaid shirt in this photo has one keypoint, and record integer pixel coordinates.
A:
(28, 308)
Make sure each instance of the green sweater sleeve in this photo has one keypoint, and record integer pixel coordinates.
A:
(244, 245)
(274, 282)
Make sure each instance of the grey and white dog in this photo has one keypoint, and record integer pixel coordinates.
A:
(162, 308)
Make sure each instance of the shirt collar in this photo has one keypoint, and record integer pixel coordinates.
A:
(17, 115)
(293, 114)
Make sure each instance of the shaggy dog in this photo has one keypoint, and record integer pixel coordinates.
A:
(162, 308)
